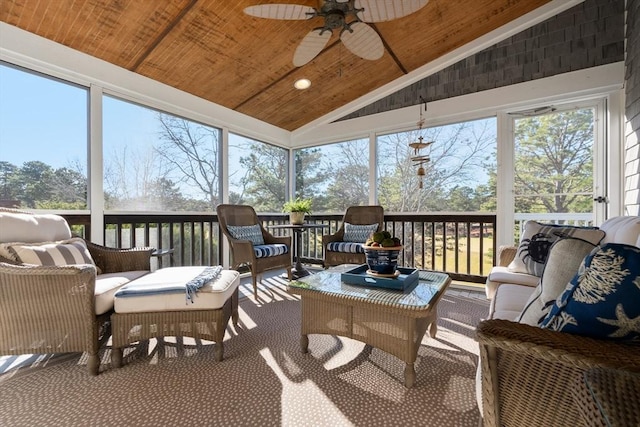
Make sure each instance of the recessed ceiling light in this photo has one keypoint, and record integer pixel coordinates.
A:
(302, 84)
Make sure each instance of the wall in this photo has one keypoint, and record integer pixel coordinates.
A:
(587, 35)
(632, 110)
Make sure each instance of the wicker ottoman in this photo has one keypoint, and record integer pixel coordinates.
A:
(141, 317)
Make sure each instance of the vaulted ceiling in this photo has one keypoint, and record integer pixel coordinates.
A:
(213, 50)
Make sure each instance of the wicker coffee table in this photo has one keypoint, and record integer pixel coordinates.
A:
(390, 320)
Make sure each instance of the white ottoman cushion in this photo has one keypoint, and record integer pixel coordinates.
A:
(211, 296)
(108, 284)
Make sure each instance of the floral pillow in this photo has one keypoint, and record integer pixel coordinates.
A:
(603, 299)
(536, 239)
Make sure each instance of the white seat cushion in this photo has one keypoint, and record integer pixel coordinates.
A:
(211, 296)
(500, 274)
(509, 301)
(108, 284)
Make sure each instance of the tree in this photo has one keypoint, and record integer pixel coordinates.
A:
(349, 182)
(311, 176)
(190, 151)
(265, 176)
(8, 190)
(554, 162)
(458, 153)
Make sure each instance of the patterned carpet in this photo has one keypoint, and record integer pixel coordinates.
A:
(264, 379)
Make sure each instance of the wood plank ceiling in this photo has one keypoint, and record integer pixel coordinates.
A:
(211, 49)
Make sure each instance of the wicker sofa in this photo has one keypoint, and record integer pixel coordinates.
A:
(58, 308)
(527, 374)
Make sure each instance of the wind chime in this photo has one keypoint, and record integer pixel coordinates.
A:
(418, 158)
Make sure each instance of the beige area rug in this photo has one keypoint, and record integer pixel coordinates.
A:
(264, 379)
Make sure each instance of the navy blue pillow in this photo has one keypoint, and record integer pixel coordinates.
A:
(603, 298)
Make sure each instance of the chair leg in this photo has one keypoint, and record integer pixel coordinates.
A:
(254, 279)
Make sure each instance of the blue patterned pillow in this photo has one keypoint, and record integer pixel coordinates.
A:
(247, 232)
(603, 299)
(358, 233)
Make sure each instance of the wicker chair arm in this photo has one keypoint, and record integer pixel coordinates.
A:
(39, 282)
(241, 251)
(284, 240)
(558, 347)
(114, 260)
(506, 254)
(336, 237)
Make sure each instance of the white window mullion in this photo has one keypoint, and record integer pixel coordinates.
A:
(95, 172)
(504, 181)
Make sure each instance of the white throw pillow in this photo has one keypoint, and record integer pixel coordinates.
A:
(565, 257)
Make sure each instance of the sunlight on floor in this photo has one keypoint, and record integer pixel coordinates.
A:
(451, 341)
(296, 408)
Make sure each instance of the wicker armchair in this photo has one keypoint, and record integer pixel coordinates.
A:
(242, 251)
(528, 373)
(358, 215)
(52, 309)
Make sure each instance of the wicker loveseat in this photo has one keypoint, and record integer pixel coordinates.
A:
(527, 374)
(58, 308)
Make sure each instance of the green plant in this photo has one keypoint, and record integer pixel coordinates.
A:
(297, 205)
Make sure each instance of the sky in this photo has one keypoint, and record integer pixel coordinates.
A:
(37, 113)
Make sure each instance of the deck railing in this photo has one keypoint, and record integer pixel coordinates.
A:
(462, 245)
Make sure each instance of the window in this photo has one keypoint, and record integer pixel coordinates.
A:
(335, 176)
(155, 161)
(553, 167)
(459, 178)
(257, 174)
(43, 147)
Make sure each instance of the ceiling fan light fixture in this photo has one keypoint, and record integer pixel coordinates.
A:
(302, 84)
(348, 16)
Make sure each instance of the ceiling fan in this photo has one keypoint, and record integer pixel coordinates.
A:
(347, 16)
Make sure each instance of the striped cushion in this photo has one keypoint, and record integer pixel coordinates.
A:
(350, 247)
(66, 252)
(263, 251)
(253, 233)
(358, 233)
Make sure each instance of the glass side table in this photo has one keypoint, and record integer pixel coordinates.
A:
(609, 397)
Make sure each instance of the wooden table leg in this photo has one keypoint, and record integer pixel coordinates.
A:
(304, 343)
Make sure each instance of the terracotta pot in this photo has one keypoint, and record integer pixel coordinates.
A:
(296, 218)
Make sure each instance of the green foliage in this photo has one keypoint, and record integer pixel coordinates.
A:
(37, 185)
(297, 205)
(554, 162)
(265, 177)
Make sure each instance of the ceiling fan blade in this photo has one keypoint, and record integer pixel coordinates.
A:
(310, 46)
(386, 10)
(281, 11)
(363, 41)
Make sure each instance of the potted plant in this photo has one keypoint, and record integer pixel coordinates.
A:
(382, 251)
(297, 209)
